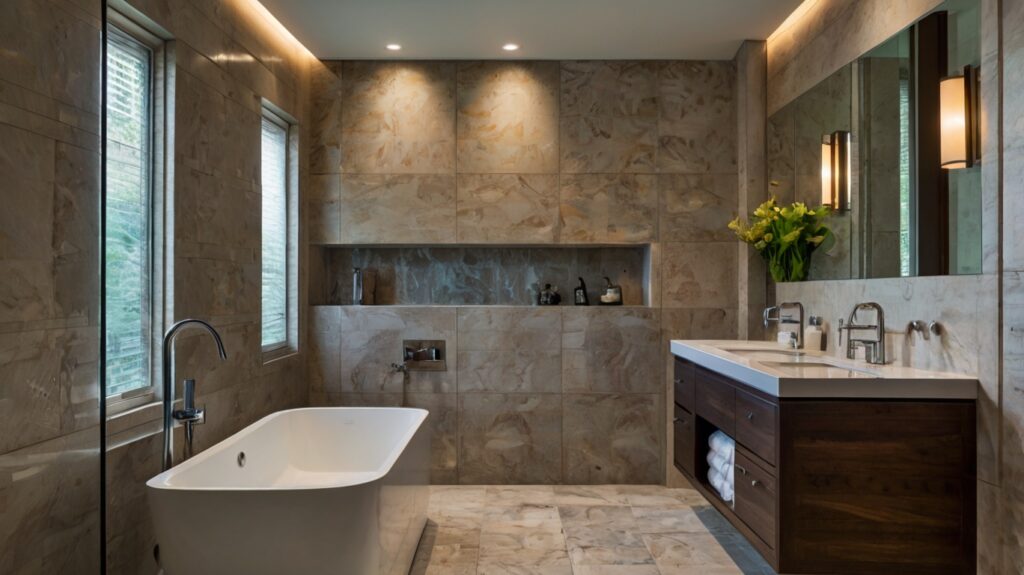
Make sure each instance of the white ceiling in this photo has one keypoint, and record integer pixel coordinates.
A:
(551, 29)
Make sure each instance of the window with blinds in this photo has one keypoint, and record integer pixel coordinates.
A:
(128, 240)
(274, 181)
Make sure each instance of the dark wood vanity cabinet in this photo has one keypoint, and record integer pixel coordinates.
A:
(836, 485)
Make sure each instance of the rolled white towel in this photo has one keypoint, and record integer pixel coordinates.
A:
(719, 483)
(722, 443)
(716, 460)
(730, 474)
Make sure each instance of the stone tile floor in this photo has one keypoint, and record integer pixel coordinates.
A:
(579, 530)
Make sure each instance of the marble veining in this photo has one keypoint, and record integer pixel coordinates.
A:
(572, 529)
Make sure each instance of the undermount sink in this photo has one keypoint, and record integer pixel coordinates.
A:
(829, 369)
(754, 351)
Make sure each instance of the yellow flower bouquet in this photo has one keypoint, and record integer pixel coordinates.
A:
(785, 237)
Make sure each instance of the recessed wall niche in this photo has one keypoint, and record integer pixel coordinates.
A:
(468, 275)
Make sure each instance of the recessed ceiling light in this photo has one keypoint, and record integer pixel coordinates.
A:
(510, 47)
(394, 47)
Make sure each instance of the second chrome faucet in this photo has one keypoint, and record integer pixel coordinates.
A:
(874, 348)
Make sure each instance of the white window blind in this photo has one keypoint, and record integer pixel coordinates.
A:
(128, 241)
(275, 232)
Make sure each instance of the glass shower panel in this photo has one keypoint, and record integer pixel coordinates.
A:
(51, 501)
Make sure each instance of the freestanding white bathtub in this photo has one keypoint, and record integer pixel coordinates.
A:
(306, 491)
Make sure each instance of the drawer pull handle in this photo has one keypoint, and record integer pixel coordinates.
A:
(740, 468)
(755, 483)
(677, 420)
(679, 381)
(750, 416)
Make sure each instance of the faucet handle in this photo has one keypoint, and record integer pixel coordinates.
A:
(189, 393)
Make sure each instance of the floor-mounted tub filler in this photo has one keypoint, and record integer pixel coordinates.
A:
(306, 491)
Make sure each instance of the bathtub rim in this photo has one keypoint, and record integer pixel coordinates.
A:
(161, 480)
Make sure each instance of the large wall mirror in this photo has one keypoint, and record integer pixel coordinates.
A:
(890, 141)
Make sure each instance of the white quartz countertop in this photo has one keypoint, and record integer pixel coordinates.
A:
(787, 373)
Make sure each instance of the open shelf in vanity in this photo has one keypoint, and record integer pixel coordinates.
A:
(835, 484)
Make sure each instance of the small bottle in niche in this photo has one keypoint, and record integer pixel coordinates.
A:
(580, 294)
(357, 286)
(549, 296)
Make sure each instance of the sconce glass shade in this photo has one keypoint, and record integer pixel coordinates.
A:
(826, 171)
(835, 170)
(956, 120)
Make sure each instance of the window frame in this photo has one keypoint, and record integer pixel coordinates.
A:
(122, 28)
(289, 345)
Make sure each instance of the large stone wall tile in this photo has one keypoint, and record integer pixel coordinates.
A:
(397, 209)
(325, 118)
(697, 117)
(130, 536)
(51, 495)
(76, 237)
(324, 209)
(601, 144)
(612, 439)
(195, 357)
(697, 208)
(323, 355)
(510, 438)
(684, 148)
(507, 117)
(712, 323)
(371, 340)
(497, 208)
(620, 89)
(58, 64)
(509, 350)
(604, 208)
(613, 350)
(398, 117)
(217, 210)
(207, 287)
(443, 425)
(50, 382)
(699, 275)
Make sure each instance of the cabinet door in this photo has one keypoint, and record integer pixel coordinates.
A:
(716, 401)
(684, 385)
(685, 439)
(755, 425)
(755, 498)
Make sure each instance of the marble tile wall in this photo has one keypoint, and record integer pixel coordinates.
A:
(978, 313)
(551, 155)
(530, 395)
(477, 275)
(50, 505)
(226, 60)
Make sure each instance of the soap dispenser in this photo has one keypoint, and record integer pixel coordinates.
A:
(813, 335)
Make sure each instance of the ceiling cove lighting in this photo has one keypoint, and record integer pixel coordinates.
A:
(835, 170)
(958, 119)
(394, 47)
(510, 47)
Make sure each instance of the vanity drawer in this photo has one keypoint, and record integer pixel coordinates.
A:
(685, 441)
(716, 401)
(755, 425)
(683, 383)
(755, 498)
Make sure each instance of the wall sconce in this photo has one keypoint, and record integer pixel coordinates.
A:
(835, 170)
(958, 120)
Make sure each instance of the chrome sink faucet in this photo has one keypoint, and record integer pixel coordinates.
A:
(189, 416)
(874, 349)
(781, 317)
